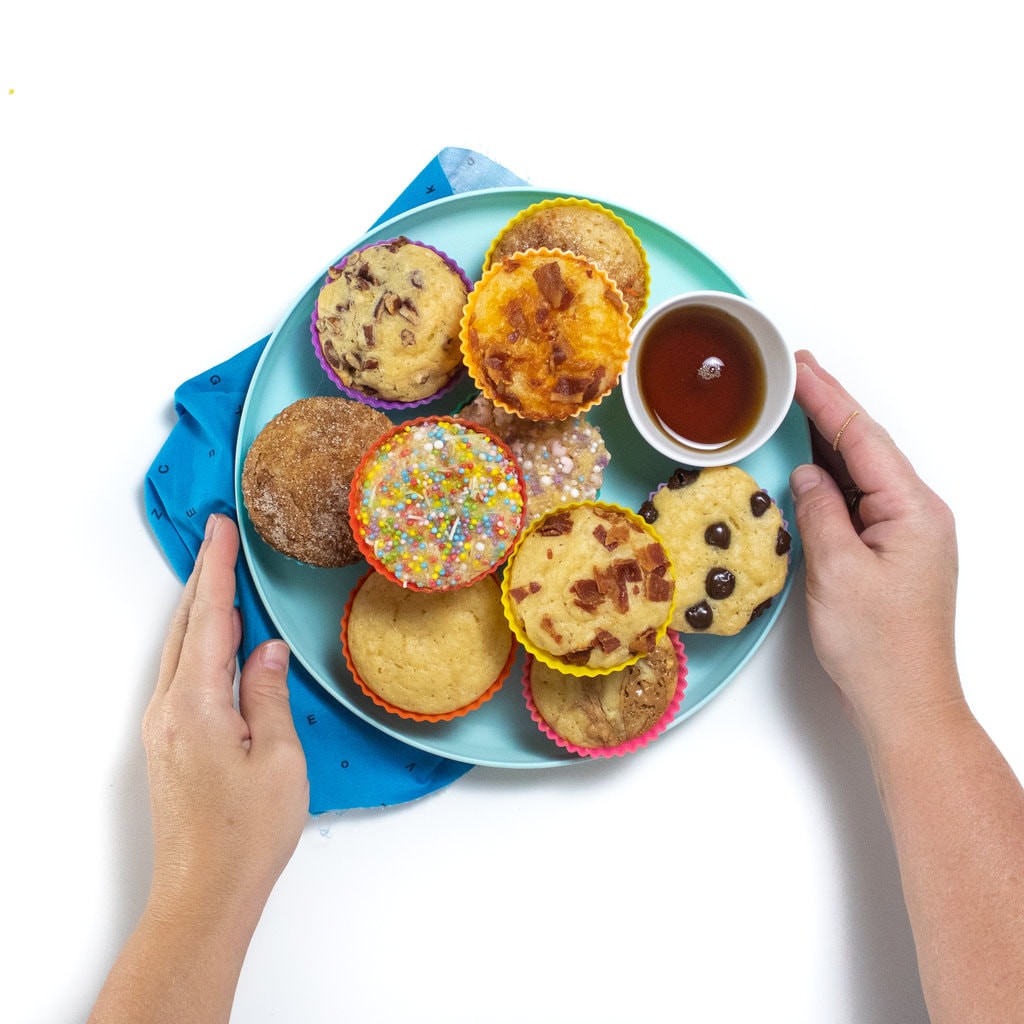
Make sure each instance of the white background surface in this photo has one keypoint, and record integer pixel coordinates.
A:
(172, 177)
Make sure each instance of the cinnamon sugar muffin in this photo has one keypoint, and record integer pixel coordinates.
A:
(297, 473)
(587, 229)
(545, 334)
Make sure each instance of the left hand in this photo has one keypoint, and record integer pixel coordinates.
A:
(228, 787)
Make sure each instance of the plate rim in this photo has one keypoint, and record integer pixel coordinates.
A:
(532, 194)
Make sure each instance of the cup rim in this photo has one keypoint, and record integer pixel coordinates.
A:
(780, 379)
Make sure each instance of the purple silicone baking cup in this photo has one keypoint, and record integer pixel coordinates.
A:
(355, 393)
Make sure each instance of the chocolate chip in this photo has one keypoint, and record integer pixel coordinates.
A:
(647, 512)
(719, 583)
(682, 478)
(699, 616)
(760, 502)
(760, 609)
(718, 535)
(783, 542)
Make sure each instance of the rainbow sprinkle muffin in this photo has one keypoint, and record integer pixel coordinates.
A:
(437, 503)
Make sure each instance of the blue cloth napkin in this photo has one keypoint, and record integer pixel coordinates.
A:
(350, 763)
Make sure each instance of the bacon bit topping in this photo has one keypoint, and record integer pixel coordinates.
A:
(652, 557)
(644, 643)
(558, 524)
(612, 538)
(608, 642)
(519, 594)
(657, 586)
(548, 625)
(587, 594)
(577, 657)
(552, 287)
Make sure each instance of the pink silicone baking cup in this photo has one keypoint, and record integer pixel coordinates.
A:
(630, 746)
(361, 396)
(393, 709)
(356, 502)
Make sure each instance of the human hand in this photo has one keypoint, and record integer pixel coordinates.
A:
(881, 567)
(228, 787)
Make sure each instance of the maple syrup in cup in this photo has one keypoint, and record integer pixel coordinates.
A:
(709, 378)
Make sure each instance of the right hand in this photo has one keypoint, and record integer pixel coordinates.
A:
(881, 579)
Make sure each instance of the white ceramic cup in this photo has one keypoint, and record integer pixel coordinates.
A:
(777, 363)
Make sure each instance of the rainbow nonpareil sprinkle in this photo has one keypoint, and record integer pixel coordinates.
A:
(439, 504)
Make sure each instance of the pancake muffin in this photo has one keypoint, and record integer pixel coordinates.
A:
(728, 543)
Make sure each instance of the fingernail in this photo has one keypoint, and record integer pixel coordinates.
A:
(275, 654)
(211, 525)
(803, 478)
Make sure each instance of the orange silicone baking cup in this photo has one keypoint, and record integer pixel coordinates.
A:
(569, 201)
(553, 660)
(614, 362)
(415, 716)
(434, 549)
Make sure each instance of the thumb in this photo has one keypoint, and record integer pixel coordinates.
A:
(822, 516)
(263, 693)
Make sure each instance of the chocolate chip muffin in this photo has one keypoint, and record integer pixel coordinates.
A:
(386, 325)
(728, 544)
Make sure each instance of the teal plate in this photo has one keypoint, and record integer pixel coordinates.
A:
(306, 603)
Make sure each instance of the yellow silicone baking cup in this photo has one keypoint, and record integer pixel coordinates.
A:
(636, 311)
(508, 603)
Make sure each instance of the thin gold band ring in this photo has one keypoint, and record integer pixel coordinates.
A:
(846, 423)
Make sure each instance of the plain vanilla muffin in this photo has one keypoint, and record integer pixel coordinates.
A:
(587, 229)
(432, 655)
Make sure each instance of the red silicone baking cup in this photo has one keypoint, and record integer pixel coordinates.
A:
(416, 716)
(630, 745)
(373, 400)
(384, 564)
